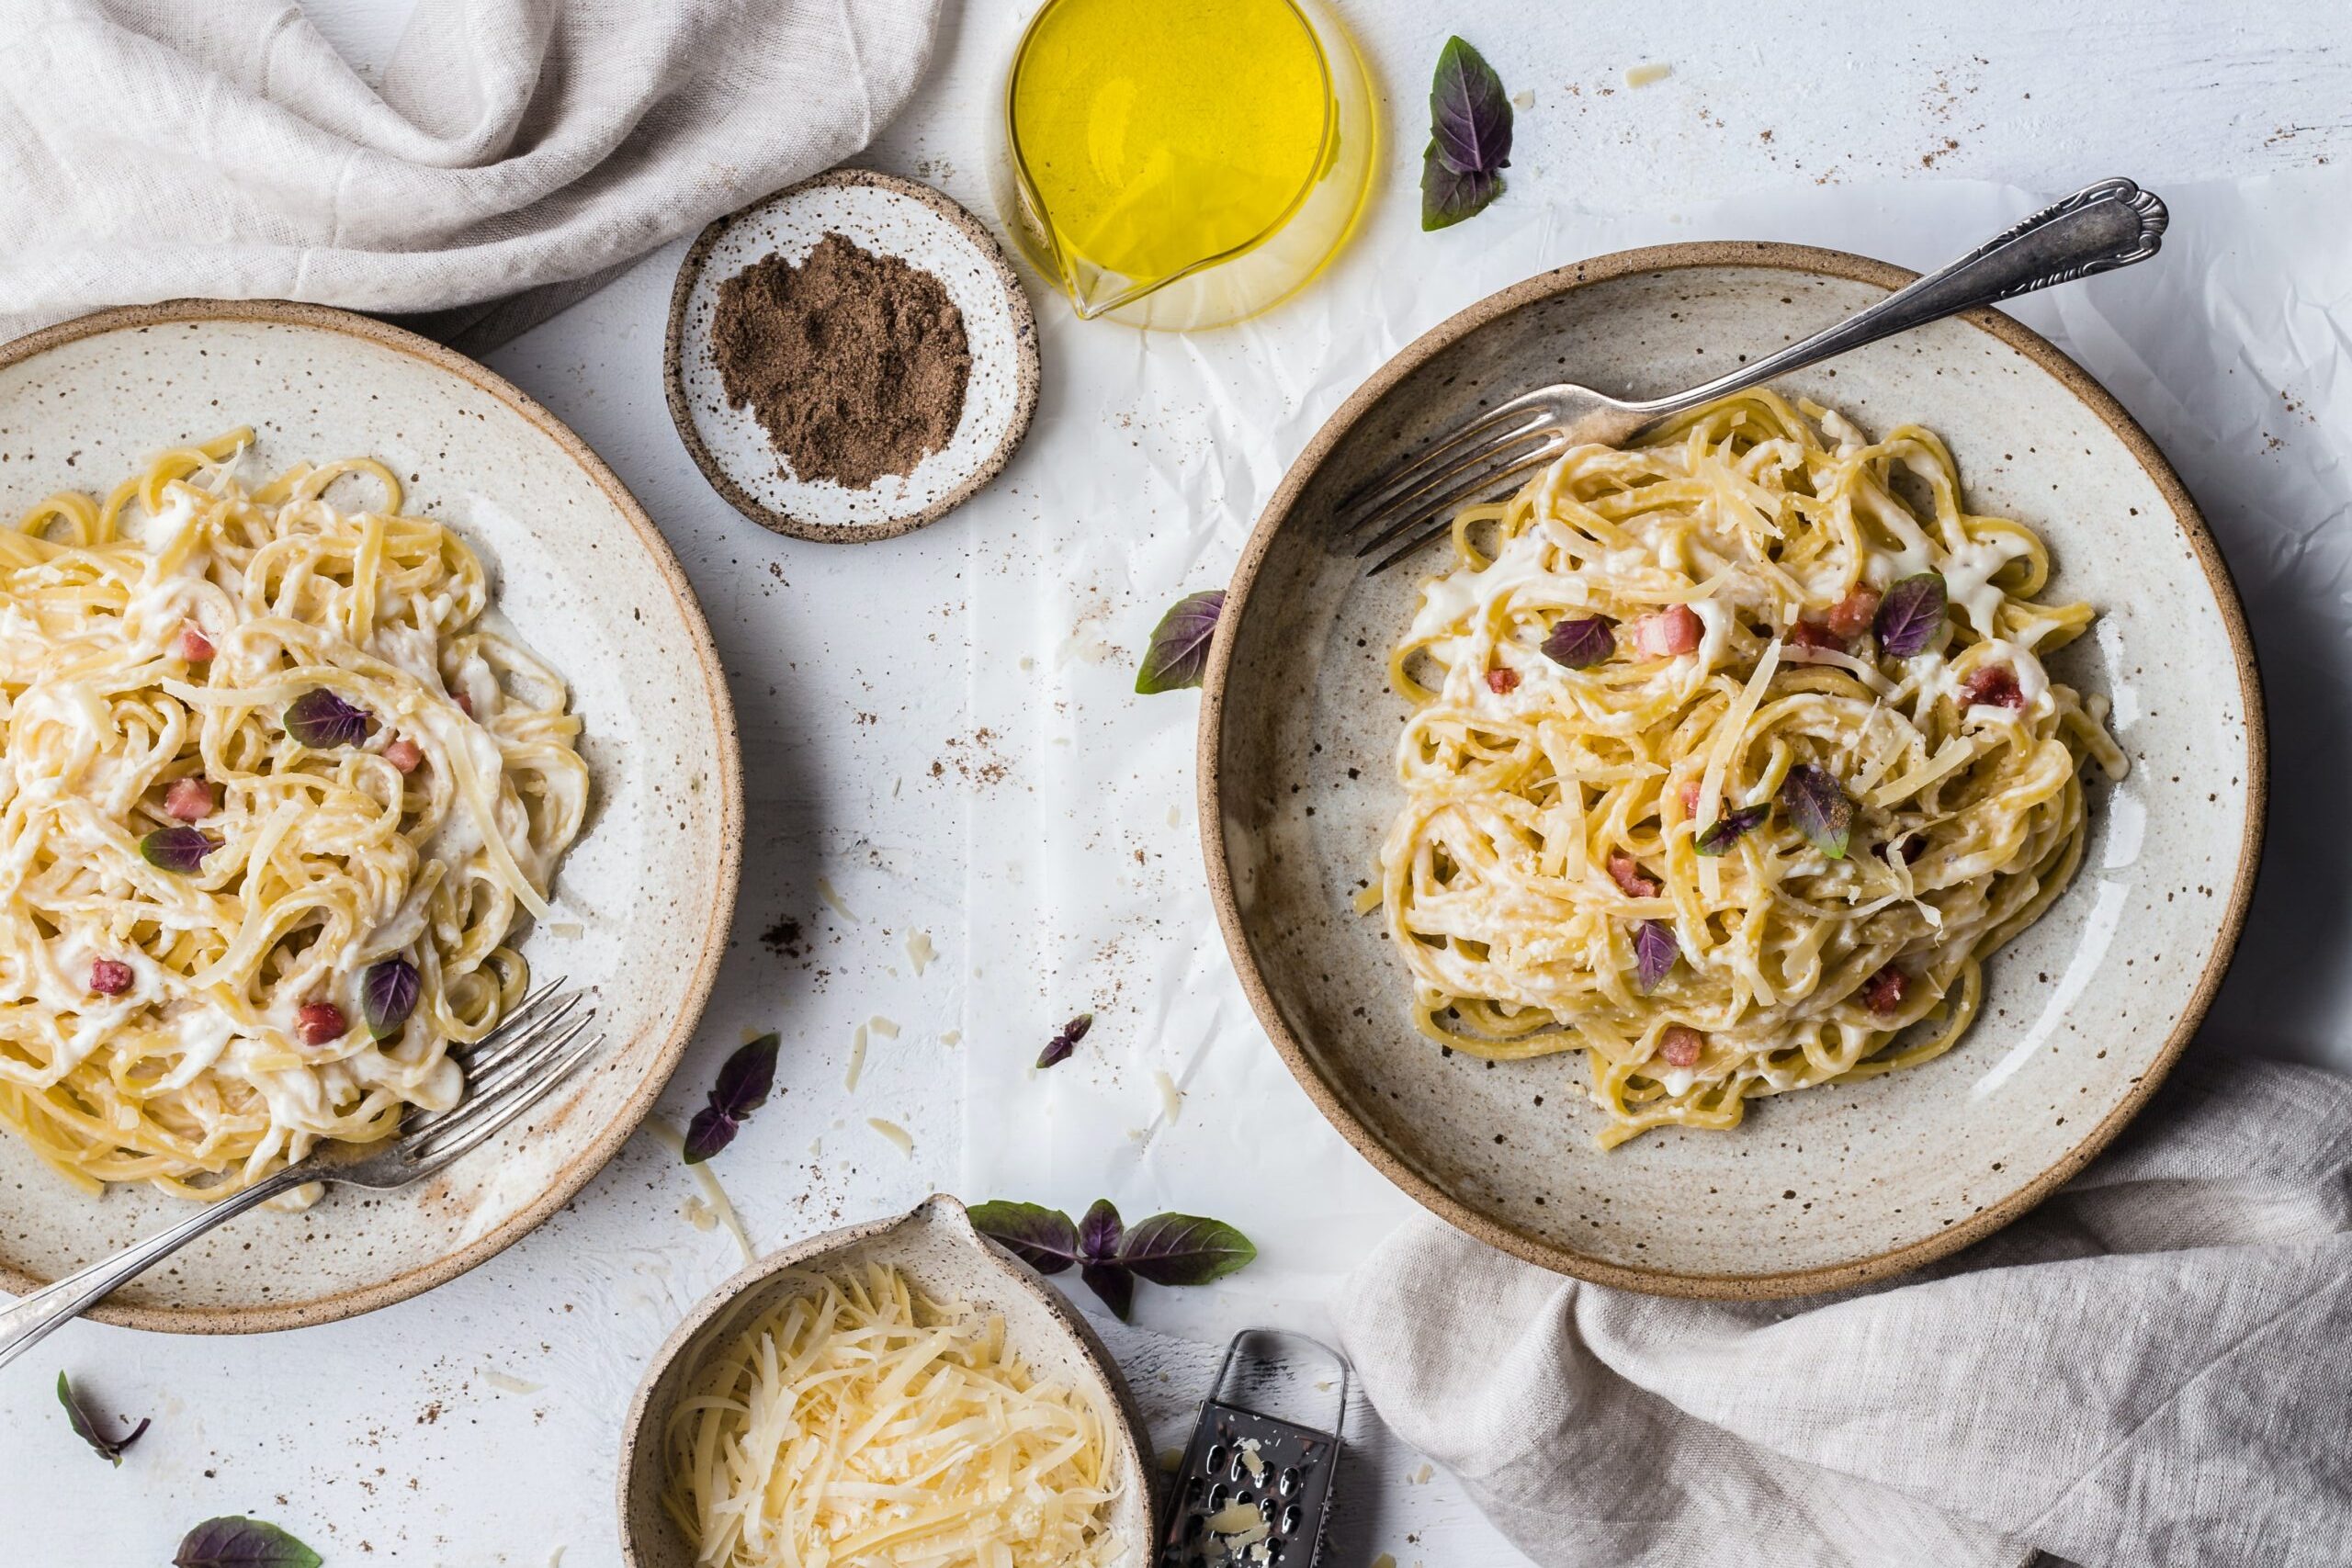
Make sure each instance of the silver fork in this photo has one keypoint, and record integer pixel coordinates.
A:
(2099, 228)
(506, 1073)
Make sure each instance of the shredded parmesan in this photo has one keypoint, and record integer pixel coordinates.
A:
(950, 1036)
(1643, 75)
(856, 1060)
(893, 1133)
(713, 1194)
(886, 1027)
(507, 1382)
(833, 900)
(920, 953)
(864, 1425)
(1171, 1099)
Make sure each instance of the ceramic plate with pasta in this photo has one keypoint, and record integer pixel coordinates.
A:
(1760, 859)
(347, 694)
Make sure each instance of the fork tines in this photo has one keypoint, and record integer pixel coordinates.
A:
(508, 1071)
(1478, 458)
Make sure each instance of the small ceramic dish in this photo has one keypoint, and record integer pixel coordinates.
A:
(643, 898)
(1833, 1186)
(890, 217)
(935, 1248)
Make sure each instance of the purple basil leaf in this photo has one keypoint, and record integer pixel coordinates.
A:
(1911, 614)
(1818, 806)
(87, 1430)
(1058, 1048)
(1469, 112)
(1113, 1285)
(1184, 1249)
(1729, 828)
(1179, 654)
(744, 1079)
(1655, 951)
(1099, 1231)
(240, 1542)
(1448, 196)
(710, 1131)
(388, 995)
(320, 718)
(1043, 1238)
(178, 849)
(1580, 644)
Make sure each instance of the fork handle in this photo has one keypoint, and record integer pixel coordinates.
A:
(32, 1319)
(2099, 228)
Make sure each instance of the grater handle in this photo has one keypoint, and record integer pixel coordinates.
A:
(1233, 1347)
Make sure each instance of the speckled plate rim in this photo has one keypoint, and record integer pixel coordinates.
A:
(1025, 376)
(1476, 1222)
(607, 1141)
(940, 1207)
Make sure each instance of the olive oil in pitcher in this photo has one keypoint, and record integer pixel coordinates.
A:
(1184, 162)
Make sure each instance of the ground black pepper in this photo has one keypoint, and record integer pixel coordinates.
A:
(854, 364)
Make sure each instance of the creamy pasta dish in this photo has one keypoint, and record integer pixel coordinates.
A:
(272, 801)
(1731, 756)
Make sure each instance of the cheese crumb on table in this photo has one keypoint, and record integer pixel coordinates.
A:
(894, 1134)
(1643, 75)
(856, 1060)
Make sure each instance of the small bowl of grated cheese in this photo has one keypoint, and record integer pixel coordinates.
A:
(897, 1395)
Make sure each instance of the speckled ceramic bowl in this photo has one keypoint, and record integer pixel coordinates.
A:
(585, 580)
(890, 217)
(1833, 1186)
(934, 1245)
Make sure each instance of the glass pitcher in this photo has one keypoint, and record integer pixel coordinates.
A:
(1183, 164)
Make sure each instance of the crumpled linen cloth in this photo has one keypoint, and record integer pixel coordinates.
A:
(2153, 1367)
(151, 149)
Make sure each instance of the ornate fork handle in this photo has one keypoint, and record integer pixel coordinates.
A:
(2097, 229)
(28, 1322)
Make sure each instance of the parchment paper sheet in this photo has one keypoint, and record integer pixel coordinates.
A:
(2234, 346)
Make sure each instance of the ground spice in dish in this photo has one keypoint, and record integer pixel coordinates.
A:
(854, 364)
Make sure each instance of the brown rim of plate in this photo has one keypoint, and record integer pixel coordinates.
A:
(1024, 337)
(607, 1142)
(939, 1206)
(1565, 1261)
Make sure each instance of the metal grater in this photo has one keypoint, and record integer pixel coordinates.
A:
(1243, 1454)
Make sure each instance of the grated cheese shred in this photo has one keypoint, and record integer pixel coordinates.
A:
(864, 1425)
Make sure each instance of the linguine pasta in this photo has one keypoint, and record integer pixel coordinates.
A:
(271, 801)
(1730, 757)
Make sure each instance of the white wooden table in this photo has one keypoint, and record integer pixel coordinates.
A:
(476, 1425)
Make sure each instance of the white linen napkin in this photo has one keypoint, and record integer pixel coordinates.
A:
(2153, 1367)
(151, 149)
